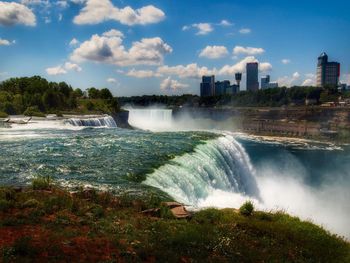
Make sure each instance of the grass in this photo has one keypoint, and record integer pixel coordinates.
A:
(90, 226)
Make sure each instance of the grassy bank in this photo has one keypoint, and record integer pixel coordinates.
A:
(44, 223)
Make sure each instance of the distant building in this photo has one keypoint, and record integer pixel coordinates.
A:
(266, 84)
(265, 81)
(221, 87)
(238, 78)
(327, 72)
(207, 86)
(273, 85)
(252, 76)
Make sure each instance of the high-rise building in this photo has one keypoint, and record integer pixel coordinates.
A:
(252, 76)
(221, 87)
(327, 72)
(207, 86)
(238, 78)
(265, 81)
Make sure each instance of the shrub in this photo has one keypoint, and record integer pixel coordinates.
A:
(247, 208)
(33, 111)
(211, 216)
(3, 114)
(42, 183)
(4, 205)
(97, 211)
(166, 213)
(31, 203)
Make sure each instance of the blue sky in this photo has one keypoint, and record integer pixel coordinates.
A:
(164, 46)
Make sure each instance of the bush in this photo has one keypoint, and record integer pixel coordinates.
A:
(3, 114)
(42, 183)
(4, 205)
(209, 216)
(247, 209)
(31, 203)
(33, 111)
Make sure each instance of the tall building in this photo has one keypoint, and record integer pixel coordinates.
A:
(207, 86)
(221, 87)
(327, 72)
(252, 76)
(265, 81)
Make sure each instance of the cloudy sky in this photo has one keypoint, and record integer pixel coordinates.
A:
(137, 47)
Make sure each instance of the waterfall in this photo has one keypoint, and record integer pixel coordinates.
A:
(219, 165)
(151, 119)
(103, 121)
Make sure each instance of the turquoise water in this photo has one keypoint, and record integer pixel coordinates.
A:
(198, 168)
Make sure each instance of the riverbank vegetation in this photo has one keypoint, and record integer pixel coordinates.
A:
(276, 97)
(35, 96)
(45, 223)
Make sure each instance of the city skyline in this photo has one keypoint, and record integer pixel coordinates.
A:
(159, 47)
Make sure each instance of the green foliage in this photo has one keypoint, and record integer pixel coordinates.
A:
(4, 205)
(33, 111)
(42, 183)
(166, 213)
(3, 114)
(247, 208)
(31, 203)
(208, 216)
(35, 95)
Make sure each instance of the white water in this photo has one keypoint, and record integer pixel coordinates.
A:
(105, 121)
(219, 164)
(220, 174)
(151, 119)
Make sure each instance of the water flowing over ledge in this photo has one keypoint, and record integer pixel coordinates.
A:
(103, 121)
(218, 165)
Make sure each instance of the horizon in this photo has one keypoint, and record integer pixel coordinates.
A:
(163, 48)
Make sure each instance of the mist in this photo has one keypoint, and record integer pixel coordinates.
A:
(282, 182)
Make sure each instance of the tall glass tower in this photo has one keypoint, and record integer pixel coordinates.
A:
(252, 76)
(328, 73)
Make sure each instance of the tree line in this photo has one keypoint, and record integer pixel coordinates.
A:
(274, 97)
(35, 95)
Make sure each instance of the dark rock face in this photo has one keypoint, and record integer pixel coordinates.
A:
(122, 119)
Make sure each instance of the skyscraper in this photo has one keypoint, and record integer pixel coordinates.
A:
(265, 81)
(208, 86)
(327, 72)
(252, 76)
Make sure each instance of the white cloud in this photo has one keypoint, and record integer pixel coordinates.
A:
(288, 81)
(249, 51)
(143, 74)
(203, 28)
(113, 33)
(60, 17)
(62, 3)
(188, 71)
(245, 31)
(74, 42)
(36, 2)
(5, 42)
(241, 66)
(170, 84)
(214, 52)
(58, 70)
(12, 13)
(225, 23)
(285, 61)
(97, 11)
(63, 69)
(308, 82)
(71, 66)
(111, 80)
(109, 48)
(346, 79)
